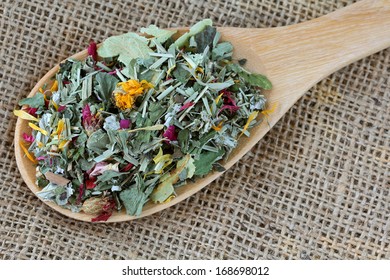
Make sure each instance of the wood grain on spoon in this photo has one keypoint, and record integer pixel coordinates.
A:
(293, 57)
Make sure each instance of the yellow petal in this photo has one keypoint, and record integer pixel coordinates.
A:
(54, 87)
(270, 110)
(63, 144)
(156, 159)
(27, 153)
(24, 115)
(40, 90)
(35, 127)
(218, 98)
(40, 144)
(165, 159)
(218, 127)
(169, 198)
(54, 105)
(251, 117)
(60, 127)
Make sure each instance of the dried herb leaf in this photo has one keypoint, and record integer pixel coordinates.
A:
(204, 163)
(205, 38)
(36, 101)
(127, 47)
(161, 35)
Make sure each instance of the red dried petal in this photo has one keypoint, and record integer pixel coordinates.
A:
(92, 50)
(81, 193)
(90, 183)
(108, 208)
(28, 137)
(227, 98)
(86, 113)
(124, 124)
(102, 217)
(231, 108)
(127, 167)
(61, 108)
(186, 105)
(32, 111)
(170, 133)
(90, 123)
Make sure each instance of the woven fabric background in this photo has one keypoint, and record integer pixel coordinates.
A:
(316, 187)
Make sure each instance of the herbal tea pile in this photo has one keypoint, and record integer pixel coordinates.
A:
(138, 118)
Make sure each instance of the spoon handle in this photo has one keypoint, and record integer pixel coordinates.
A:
(315, 49)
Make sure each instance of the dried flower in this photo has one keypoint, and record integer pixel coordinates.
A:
(94, 205)
(127, 92)
(91, 122)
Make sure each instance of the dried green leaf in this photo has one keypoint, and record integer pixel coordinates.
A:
(257, 80)
(127, 47)
(161, 35)
(106, 84)
(133, 199)
(205, 38)
(204, 163)
(198, 27)
(36, 101)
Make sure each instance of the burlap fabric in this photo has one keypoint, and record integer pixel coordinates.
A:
(316, 187)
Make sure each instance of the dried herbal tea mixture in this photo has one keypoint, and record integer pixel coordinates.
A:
(139, 117)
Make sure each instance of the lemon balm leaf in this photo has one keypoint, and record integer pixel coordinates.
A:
(161, 35)
(197, 28)
(127, 47)
(34, 102)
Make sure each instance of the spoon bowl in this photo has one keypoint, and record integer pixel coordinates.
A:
(293, 57)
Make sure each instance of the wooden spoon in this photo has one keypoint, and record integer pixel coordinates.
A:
(293, 57)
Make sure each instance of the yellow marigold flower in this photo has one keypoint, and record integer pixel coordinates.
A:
(127, 92)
